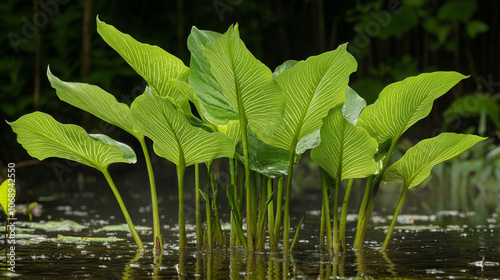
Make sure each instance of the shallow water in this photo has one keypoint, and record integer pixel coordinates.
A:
(445, 252)
(452, 247)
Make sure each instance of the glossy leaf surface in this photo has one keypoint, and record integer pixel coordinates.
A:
(43, 137)
(174, 137)
(417, 163)
(402, 104)
(346, 151)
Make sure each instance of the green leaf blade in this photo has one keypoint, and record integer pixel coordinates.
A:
(43, 137)
(345, 151)
(212, 103)
(417, 163)
(402, 104)
(246, 83)
(174, 137)
(94, 100)
(311, 88)
(152, 63)
(4, 195)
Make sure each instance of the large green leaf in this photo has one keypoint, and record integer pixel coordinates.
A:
(402, 104)
(4, 195)
(264, 158)
(246, 83)
(174, 137)
(154, 64)
(311, 88)
(43, 137)
(210, 101)
(94, 100)
(418, 161)
(346, 151)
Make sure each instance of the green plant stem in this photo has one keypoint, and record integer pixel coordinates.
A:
(137, 239)
(199, 228)
(270, 211)
(279, 212)
(234, 237)
(361, 214)
(286, 214)
(326, 210)
(181, 168)
(215, 206)
(322, 225)
(158, 240)
(261, 237)
(253, 191)
(395, 217)
(343, 215)
(369, 208)
(248, 188)
(336, 238)
(208, 212)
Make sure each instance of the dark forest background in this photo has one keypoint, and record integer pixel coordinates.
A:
(391, 40)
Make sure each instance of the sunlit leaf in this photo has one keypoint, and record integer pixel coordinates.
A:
(154, 64)
(418, 161)
(346, 151)
(174, 137)
(402, 104)
(43, 137)
(94, 100)
(246, 83)
(311, 88)
(7, 187)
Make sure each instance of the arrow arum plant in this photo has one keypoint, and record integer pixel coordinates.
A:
(261, 121)
(43, 137)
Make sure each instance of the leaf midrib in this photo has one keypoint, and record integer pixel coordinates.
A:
(177, 141)
(96, 165)
(306, 109)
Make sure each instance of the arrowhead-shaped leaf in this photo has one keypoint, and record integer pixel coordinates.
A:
(94, 100)
(43, 137)
(246, 83)
(174, 137)
(346, 151)
(418, 161)
(154, 64)
(402, 104)
(311, 88)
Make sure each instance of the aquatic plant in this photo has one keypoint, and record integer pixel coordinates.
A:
(261, 121)
(43, 137)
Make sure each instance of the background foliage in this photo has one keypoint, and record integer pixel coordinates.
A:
(391, 40)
